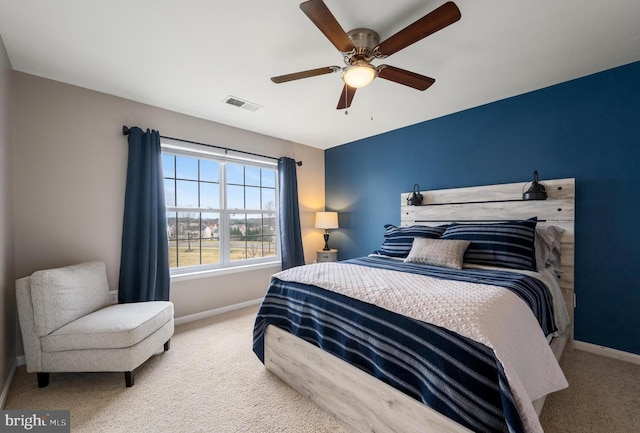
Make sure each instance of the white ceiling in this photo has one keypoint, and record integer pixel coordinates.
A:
(189, 55)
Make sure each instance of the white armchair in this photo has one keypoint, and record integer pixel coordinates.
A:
(69, 323)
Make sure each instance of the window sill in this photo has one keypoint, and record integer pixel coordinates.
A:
(223, 271)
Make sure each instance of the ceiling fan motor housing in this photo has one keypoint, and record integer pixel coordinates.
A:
(365, 41)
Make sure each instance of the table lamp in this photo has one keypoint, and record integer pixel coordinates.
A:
(326, 221)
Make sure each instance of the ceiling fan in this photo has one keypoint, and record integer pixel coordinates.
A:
(360, 46)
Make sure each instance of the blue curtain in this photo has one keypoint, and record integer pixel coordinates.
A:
(144, 263)
(290, 233)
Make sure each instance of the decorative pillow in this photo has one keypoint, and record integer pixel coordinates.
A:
(438, 252)
(398, 240)
(548, 246)
(508, 245)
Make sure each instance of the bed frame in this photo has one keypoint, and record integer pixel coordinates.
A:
(366, 404)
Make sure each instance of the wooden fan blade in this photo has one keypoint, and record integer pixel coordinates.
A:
(304, 74)
(438, 19)
(321, 16)
(404, 77)
(346, 97)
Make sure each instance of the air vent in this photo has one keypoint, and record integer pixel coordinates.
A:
(237, 102)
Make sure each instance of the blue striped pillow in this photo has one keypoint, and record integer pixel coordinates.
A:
(398, 240)
(508, 245)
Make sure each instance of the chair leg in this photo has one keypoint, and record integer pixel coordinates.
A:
(128, 378)
(43, 380)
(167, 345)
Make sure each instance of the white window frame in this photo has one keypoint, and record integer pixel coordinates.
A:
(190, 150)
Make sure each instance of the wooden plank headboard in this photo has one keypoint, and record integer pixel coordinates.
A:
(503, 202)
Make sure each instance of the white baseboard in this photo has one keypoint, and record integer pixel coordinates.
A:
(216, 311)
(608, 352)
(7, 385)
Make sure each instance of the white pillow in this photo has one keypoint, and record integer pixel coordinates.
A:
(547, 246)
(447, 253)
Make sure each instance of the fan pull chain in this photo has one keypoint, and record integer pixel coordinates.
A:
(346, 97)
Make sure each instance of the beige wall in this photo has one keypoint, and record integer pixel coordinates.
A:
(70, 169)
(7, 269)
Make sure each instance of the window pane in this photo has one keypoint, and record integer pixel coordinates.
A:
(187, 193)
(169, 192)
(186, 168)
(237, 237)
(269, 246)
(268, 177)
(168, 168)
(252, 197)
(252, 175)
(269, 227)
(235, 197)
(187, 225)
(210, 238)
(188, 248)
(254, 236)
(209, 170)
(268, 199)
(171, 232)
(210, 195)
(235, 174)
(173, 253)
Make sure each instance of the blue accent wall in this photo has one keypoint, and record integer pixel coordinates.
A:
(588, 128)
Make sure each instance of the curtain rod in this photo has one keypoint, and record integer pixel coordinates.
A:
(126, 130)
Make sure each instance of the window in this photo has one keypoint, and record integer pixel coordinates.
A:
(221, 212)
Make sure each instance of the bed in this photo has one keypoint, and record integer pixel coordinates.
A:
(464, 372)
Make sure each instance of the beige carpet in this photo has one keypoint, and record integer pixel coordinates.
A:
(603, 396)
(210, 381)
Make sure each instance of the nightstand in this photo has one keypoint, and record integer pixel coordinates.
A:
(327, 256)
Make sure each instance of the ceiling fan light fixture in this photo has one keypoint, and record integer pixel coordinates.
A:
(359, 74)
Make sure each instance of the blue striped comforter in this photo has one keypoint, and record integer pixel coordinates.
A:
(458, 377)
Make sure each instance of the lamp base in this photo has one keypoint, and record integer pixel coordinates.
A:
(326, 241)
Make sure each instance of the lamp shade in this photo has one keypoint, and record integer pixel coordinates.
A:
(326, 220)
